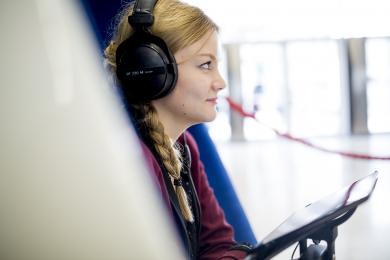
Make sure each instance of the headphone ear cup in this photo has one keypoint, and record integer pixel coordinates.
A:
(145, 68)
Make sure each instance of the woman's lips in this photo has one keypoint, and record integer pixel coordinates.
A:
(212, 100)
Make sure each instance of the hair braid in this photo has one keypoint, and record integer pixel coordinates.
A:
(169, 154)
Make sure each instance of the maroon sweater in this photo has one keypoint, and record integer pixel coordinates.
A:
(216, 235)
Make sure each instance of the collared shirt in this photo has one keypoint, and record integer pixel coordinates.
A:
(214, 236)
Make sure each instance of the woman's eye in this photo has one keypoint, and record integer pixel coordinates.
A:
(206, 65)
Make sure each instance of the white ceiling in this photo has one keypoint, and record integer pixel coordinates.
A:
(273, 20)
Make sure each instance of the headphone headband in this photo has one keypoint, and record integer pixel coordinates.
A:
(142, 16)
(144, 6)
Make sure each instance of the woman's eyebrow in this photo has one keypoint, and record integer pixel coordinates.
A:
(212, 56)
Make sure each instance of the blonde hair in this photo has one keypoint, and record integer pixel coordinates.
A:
(179, 25)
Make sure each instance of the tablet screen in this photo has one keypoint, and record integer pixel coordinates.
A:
(314, 214)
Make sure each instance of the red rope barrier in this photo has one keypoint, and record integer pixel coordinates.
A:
(239, 109)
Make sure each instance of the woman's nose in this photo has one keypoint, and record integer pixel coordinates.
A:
(219, 83)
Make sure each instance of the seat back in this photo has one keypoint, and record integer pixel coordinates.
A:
(73, 184)
(222, 185)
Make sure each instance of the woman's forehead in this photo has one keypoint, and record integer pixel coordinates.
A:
(206, 46)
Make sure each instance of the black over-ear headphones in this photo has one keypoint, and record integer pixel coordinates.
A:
(146, 68)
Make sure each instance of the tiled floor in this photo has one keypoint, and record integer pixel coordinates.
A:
(275, 178)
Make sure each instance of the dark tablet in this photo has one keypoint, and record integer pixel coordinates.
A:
(315, 215)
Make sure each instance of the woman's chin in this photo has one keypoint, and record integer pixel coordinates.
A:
(211, 117)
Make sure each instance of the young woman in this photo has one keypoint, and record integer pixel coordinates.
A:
(162, 119)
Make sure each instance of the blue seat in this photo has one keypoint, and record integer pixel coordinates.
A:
(219, 180)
